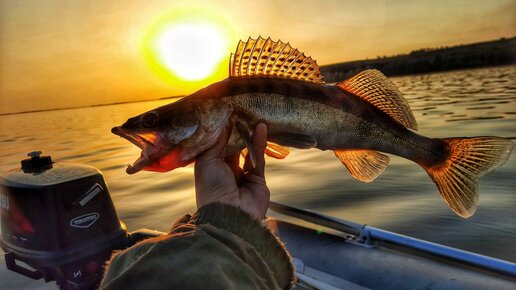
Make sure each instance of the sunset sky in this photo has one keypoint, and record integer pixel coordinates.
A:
(72, 53)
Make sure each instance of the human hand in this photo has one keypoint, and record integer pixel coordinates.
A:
(220, 179)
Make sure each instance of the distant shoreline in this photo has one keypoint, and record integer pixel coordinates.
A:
(427, 60)
(88, 106)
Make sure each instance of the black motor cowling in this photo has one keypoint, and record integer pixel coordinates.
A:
(59, 219)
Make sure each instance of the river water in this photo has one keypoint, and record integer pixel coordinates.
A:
(403, 199)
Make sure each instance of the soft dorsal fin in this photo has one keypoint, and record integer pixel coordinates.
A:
(364, 165)
(374, 87)
(264, 57)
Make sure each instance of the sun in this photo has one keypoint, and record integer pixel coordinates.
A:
(192, 50)
(187, 48)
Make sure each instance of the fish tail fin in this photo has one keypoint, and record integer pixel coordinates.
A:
(468, 159)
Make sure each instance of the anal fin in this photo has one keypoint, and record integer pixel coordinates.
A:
(364, 165)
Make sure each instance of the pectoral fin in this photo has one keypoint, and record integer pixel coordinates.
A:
(295, 140)
(276, 151)
(364, 165)
(247, 136)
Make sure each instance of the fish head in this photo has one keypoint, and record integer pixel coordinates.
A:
(174, 135)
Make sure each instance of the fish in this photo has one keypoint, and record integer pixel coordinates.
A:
(359, 119)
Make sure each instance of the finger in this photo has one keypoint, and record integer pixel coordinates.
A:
(259, 144)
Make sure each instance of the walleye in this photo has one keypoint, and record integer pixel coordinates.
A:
(271, 82)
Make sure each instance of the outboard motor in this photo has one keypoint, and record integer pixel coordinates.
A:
(59, 219)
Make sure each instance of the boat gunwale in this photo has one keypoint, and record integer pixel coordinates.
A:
(367, 235)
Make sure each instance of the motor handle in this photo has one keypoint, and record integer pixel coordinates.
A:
(10, 261)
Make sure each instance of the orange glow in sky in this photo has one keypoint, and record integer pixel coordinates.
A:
(59, 53)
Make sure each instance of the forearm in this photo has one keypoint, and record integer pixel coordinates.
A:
(219, 247)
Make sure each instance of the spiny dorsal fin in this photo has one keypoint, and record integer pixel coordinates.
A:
(264, 57)
(364, 165)
(374, 87)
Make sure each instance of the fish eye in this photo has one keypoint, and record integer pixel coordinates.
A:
(150, 119)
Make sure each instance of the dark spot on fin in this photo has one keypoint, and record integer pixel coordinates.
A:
(364, 165)
(247, 135)
(300, 141)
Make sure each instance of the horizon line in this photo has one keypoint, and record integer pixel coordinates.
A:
(90, 106)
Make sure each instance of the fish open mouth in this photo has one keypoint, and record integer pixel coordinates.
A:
(150, 143)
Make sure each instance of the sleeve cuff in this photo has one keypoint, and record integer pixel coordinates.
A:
(243, 225)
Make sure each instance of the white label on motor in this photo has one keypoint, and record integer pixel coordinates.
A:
(84, 221)
(91, 193)
(4, 201)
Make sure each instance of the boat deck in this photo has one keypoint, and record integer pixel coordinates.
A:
(339, 260)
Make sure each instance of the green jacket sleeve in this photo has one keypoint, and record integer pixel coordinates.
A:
(219, 247)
